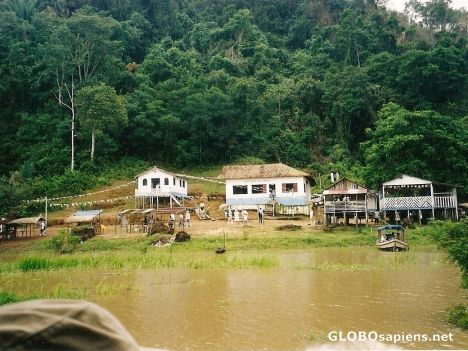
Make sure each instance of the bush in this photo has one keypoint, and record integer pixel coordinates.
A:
(458, 315)
(64, 242)
(6, 298)
(84, 232)
(453, 237)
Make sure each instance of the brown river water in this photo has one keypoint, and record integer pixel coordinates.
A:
(293, 307)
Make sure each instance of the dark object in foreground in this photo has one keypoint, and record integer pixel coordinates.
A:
(182, 236)
(220, 250)
(61, 325)
(291, 227)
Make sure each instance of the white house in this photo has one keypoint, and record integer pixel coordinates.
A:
(159, 188)
(249, 186)
(407, 196)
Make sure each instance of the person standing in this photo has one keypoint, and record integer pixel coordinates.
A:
(187, 218)
(229, 215)
(245, 216)
(260, 215)
(43, 227)
(311, 215)
(225, 216)
(181, 220)
(236, 216)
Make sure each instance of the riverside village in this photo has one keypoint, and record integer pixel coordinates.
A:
(201, 175)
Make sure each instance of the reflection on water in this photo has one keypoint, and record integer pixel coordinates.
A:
(314, 292)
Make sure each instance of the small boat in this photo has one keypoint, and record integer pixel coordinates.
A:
(392, 238)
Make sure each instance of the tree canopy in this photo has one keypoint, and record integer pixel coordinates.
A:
(207, 82)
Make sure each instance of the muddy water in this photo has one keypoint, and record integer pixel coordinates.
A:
(289, 308)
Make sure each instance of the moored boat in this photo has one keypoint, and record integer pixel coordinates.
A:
(392, 238)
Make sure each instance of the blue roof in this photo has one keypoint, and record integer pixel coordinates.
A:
(292, 201)
(285, 201)
(248, 201)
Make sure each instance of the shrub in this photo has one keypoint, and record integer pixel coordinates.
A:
(6, 298)
(64, 242)
(453, 237)
(458, 315)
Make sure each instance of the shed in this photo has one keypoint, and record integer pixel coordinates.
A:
(27, 225)
(91, 218)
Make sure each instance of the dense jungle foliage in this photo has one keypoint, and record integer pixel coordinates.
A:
(322, 85)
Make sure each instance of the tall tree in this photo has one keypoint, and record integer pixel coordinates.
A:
(100, 109)
(80, 50)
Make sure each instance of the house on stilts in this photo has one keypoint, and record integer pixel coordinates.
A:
(157, 188)
(418, 199)
(277, 188)
(346, 199)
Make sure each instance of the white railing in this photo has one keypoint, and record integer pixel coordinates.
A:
(417, 202)
(445, 201)
(345, 206)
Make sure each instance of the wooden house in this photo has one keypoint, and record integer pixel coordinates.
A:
(278, 185)
(418, 199)
(346, 198)
(158, 188)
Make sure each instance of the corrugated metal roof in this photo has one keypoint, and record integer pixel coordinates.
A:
(79, 219)
(274, 170)
(88, 213)
(344, 191)
(407, 180)
(27, 220)
(155, 168)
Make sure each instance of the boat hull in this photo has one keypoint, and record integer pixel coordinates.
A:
(393, 245)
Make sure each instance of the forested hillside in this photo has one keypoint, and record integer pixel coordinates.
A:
(316, 84)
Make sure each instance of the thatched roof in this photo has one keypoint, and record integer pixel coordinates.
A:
(274, 170)
(27, 220)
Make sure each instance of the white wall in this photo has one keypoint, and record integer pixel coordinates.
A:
(147, 190)
(277, 181)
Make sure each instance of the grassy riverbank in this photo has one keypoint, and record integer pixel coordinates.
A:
(243, 252)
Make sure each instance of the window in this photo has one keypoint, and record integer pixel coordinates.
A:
(166, 181)
(239, 189)
(173, 181)
(183, 184)
(259, 188)
(272, 190)
(304, 187)
(289, 187)
(155, 182)
(180, 182)
(145, 182)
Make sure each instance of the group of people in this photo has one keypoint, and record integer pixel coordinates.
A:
(236, 216)
(183, 221)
